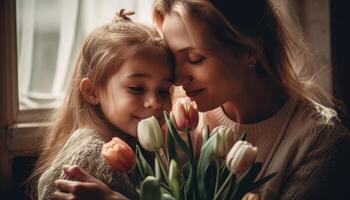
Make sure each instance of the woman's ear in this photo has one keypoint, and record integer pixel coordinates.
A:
(88, 90)
(250, 58)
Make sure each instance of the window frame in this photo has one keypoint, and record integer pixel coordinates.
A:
(22, 133)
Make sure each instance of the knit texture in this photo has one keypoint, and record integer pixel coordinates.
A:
(83, 148)
(305, 143)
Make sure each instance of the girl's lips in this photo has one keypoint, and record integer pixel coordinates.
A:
(159, 118)
(194, 93)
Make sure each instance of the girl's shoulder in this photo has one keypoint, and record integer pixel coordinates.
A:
(84, 141)
(85, 135)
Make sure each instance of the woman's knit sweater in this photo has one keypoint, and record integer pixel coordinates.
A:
(305, 143)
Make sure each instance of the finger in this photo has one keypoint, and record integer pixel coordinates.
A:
(65, 185)
(61, 196)
(78, 173)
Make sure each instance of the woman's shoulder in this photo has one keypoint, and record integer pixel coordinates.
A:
(316, 112)
(313, 120)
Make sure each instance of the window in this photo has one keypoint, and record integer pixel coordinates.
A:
(49, 34)
(44, 38)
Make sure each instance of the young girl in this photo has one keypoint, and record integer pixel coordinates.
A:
(123, 74)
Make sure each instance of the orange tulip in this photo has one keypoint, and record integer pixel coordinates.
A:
(251, 196)
(185, 114)
(118, 155)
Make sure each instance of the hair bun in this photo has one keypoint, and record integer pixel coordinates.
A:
(123, 15)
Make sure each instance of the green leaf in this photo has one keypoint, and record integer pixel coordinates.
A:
(167, 197)
(243, 136)
(164, 188)
(171, 149)
(143, 166)
(261, 181)
(230, 188)
(150, 189)
(209, 181)
(157, 170)
(174, 179)
(204, 163)
(224, 173)
(173, 131)
(186, 171)
(188, 187)
(246, 180)
(206, 135)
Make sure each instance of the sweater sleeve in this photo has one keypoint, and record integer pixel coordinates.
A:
(87, 155)
(324, 172)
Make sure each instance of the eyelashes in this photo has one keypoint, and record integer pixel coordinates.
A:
(195, 58)
(136, 90)
(142, 90)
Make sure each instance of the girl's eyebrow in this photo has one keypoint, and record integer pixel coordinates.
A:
(147, 76)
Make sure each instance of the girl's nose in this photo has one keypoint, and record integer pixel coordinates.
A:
(153, 102)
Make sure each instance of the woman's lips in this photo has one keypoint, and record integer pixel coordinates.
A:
(194, 93)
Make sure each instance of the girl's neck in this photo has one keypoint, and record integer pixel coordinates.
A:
(259, 101)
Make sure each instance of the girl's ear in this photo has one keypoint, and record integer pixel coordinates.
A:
(88, 91)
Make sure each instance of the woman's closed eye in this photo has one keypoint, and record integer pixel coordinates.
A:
(195, 58)
(136, 90)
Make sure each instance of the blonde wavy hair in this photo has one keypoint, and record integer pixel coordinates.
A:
(257, 26)
(103, 52)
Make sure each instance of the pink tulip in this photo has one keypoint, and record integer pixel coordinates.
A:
(185, 114)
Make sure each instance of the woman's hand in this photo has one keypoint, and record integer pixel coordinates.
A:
(87, 187)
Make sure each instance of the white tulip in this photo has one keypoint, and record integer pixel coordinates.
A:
(222, 141)
(241, 156)
(150, 134)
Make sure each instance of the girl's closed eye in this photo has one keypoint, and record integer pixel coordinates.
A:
(164, 92)
(136, 90)
(195, 58)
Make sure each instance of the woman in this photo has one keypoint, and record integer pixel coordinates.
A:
(247, 69)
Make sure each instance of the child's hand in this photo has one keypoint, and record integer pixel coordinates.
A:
(87, 187)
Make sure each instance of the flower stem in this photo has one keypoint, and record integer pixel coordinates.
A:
(188, 133)
(224, 185)
(193, 163)
(217, 163)
(161, 166)
(195, 181)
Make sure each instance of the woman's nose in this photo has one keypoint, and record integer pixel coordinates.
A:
(182, 80)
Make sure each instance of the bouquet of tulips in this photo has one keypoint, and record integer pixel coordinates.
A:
(218, 172)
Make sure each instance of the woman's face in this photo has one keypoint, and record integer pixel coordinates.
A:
(209, 73)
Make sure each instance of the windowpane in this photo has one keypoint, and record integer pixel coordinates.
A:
(49, 35)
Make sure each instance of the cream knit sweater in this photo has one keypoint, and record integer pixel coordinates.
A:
(83, 148)
(306, 145)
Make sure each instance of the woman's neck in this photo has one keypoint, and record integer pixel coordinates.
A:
(258, 102)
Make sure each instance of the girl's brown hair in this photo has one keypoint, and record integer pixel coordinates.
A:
(103, 52)
(257, 26)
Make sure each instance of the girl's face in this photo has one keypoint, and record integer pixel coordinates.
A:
(210, 74)
(138, 90)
